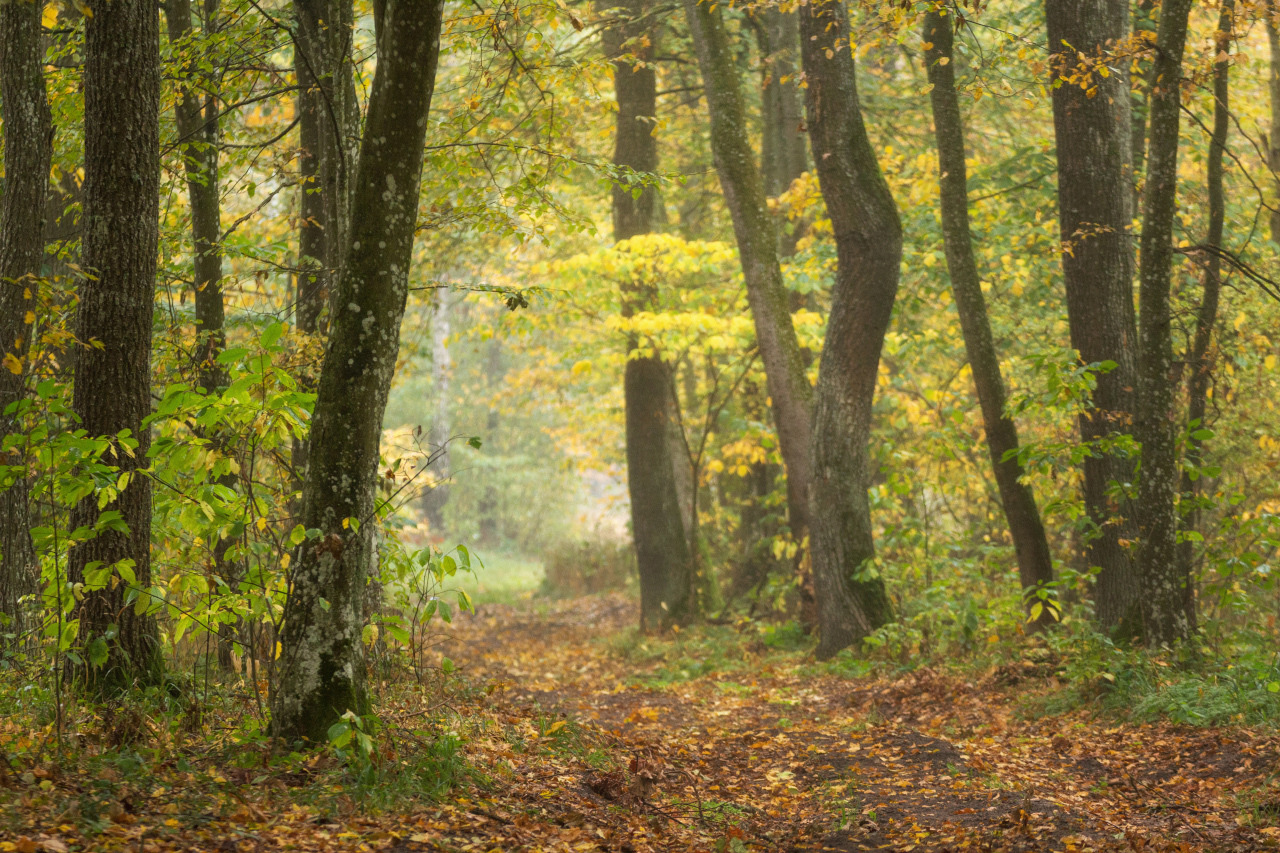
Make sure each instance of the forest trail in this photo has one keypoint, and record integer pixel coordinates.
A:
(761, 753)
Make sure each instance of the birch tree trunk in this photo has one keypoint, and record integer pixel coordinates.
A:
(321, 663)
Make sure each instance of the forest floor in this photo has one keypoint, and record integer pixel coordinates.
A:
(577, 734)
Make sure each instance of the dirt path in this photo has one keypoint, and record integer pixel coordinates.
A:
(759, 754)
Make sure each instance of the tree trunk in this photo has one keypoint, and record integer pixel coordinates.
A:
(1272, 15)
(1168, 603)
(197, 126)
(784, 154)
(322, 658)
(435, 498)
(662, 551)
(1035, 563)
(1143, 21)
(28, 148)
(789, 390)
(113, 381)
(1199, 360)
(328, 124)
(868, 234)
(1094, 136)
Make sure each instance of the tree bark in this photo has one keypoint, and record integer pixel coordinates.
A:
(1035, 563)
(1094, 136)
(1168, 602)
(328, 126)
(28, 148)
(322, 658)
(1199, 360)
(113, 381)
(784, 153)
(868, 238)
(789, 390)
(658, 531)
(1272, 15)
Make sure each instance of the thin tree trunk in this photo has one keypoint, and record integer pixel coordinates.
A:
(1035, 563)
(321, 663)
(1168, 603)
(868, 234)
(789, 390)
(1272, 15)
(113, 381)
(435, 499)
(784, 152)
(1143, 21)
(1199, 360)
(328, 122)
(28, 148)
(197, 126)
(1094, 137)
(662, 552)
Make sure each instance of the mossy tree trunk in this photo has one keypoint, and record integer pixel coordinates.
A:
(28, 148)
(321, 666)
(113, 381)
(789, 390)
(868, 234)
(1168, 597)
(1094, 134)
(1035, 563)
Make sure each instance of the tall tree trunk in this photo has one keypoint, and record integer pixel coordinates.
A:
(435, 499)
(868, 237)
(113, 381)
(789, 390)
(197, 125)
(328, 122)
(1035, 563)
(662, 551)
(1199, 360)
(1094, 135)
(28, 148)
(1143, 21)
(1168, 599)
(322, 658)
(1272, 14)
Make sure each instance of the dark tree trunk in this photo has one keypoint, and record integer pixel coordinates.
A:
(328, 122)
(1168, 599)
(784, 154)
(1035, 563)
(197, 126)
(662, 551)
(1199, 361)
(868, 237)
(1143, 22)
(322, 658)
(1094, 136)
(113, 382)
(28, 148)
(789, 390)
(1272, 14)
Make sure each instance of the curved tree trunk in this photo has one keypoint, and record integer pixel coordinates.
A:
(789, 390)
(868, 252)
(113, 382)
(1168, 598)
(1199, 361)
(1091, 118)
(322, 658)
(662, 551)
(1035, 563)
(28, 148)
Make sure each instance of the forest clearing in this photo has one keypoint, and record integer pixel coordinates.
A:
(651, 425)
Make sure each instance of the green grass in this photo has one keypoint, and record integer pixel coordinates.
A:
(502, 579)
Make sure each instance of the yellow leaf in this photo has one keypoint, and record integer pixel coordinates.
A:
(13, 363)
(285, 559)
(1270, 362)
(83, 8)
(29, 317)
(49, 17)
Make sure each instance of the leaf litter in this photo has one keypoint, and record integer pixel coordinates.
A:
(575, 734)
